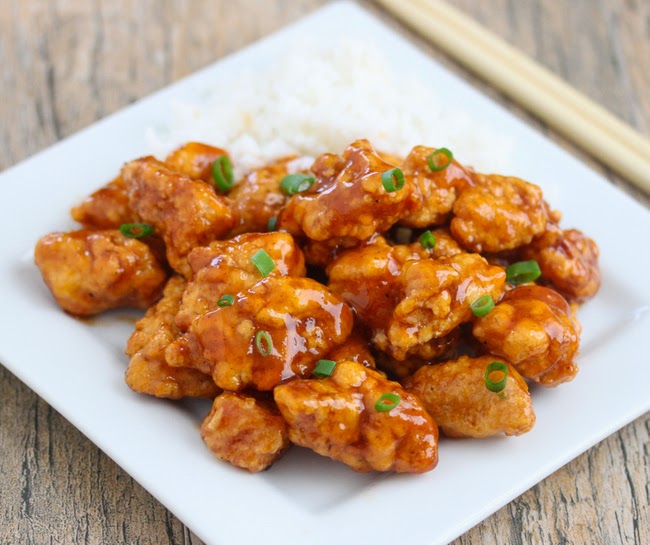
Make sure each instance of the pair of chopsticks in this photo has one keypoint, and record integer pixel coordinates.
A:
(587, 124)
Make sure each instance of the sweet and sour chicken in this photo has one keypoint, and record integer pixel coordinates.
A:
(355, 307)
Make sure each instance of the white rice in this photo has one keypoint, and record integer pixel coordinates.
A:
(319, 99)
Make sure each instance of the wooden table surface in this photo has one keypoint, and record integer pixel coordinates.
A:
(67, 63)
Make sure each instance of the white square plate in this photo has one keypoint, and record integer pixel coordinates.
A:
(78, 368)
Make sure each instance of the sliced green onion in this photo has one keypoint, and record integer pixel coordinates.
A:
(428, 240)
(324, 368)
(440, 159)
(500, 385)
(222, 173)
(522, 272)
(393, 180)
(263, 343)
(136, 230)
(296, 183)
(262, 260)
(387, 402)
(272, 224)
(482, 306)
(226, 300)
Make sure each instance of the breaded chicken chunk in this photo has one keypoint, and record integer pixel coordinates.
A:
(258, 196)
(277, 329)
(186, 213)
(532, 327)
(148, 371)
(355, 348)
(106, 208)
(568, 260)
(195, 160)
(244, 431)
(92, 271)
(439, 189)
(225, 267)
(338, 417)
(455, 395)
(348, 199)
(499, 213)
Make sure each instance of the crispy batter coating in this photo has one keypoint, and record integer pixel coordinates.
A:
(455, 395)
(106, 208)
(348, 198)
(438, 189)
(148, 371)
(195, 160)
(303, 319)
(247, 432)
(336, 417)
(499, 213)
(92, 271)
(568, 260)
(438, 295)
(355, 348)
(258, 196)
(225, 267)
(532, 328)
(186, 213)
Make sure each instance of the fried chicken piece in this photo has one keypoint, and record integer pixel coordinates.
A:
(225, 267)
(532, 328)
(245, 431)
(92, 271)
(437, 297)
(336, 417)
(568, 260)
(348, 198)
(148, 371)
(186, 213)
(499, 213)
(258, 196)
(356, 348)
(438, 189)
(277, 329)
(106, 208)
(455, 395)
(195, 160)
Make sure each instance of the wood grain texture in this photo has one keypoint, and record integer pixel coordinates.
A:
(67, 63)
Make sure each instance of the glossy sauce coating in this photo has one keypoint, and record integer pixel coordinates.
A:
(148, 371)
(195, 160)
(304, 320)
(336, 417)
(92, 271)
(532, 327)
(455, 395)
(106, 208)
(247, 432)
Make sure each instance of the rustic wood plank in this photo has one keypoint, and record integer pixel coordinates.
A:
(68, 63)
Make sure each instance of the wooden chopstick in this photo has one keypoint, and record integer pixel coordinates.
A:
(587, 124)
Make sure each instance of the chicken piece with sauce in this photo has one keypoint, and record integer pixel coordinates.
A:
(89, 272)
(339, 417)
(148, 371)
(456, 396)
(532, 327)
(245, 431)
(277, 329)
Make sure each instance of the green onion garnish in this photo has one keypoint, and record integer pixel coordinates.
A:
(296, 183)
(136, 230)
(263, 343)
(262, 260)
(222, 173)
(393, 180)
(386, 402)
(482, 306)
(226, 300)
(498, 367)
(522, 272)
(272, 224)
(440, 159)
(428, 240)
(324, 368)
